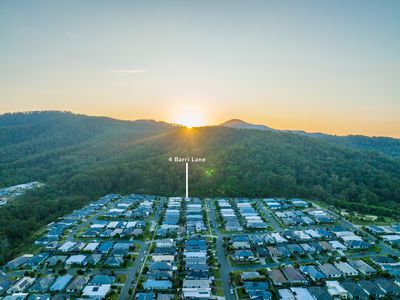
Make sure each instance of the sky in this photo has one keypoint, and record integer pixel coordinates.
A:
(326, 66)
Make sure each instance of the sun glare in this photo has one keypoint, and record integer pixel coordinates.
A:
(190, 118)
(190, 121)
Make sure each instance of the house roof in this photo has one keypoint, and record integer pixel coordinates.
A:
(156, 274)
(39, 297)
(329, 270)
(160, 266)
(259, 294)
(196, 283)
(114, 261)
(312, 272)
(61, 282)
(255, 285)
(355, 290)
(362, 266)
(277, 277)
(165, 296)
(388, 286)
(96, 290)
(302, 293)
(145, 296)
(382, 260)
(105, 246)
(319, 293)
(244, 253)
(42, 284)
(371, 288)
(77, 283)
(345, 268)
(294, 275)
(286, 294)
(102, 279)
(152, 284)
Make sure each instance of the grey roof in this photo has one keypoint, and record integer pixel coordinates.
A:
(277, 277)
(293, 275)
(388, 286)
(329, 270)
(43, 284)
(77, 284)
(371, 288)
(345, 268)
(165, 296)
(362, 266)
(319, 293)
(355, 290)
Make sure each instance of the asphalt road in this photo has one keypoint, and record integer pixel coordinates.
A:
(92, 218)
(131, 272)
(141, 259)
(225, 266)
(271, 219)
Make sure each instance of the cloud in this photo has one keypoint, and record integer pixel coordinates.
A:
(73, 35)
(129, 71)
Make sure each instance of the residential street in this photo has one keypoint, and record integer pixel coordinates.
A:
(225, 266)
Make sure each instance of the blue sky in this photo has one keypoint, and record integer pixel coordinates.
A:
(331, 66)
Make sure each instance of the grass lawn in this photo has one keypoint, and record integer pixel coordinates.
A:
(131, 261)
(380, 221)
(114, 296)
(218, 283)
(216, 273)
(241, 293)
(218, 288)
(121, 278)
(138, 247)
(220, 292)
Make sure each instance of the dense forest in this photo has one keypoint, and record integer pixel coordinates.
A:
(386, 146)
(80, 158)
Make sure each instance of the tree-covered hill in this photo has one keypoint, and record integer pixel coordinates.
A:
(385, 146)
(80, 158)
(253, 164)
(46, 144)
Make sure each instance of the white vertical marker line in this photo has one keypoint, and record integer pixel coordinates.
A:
(187, 180)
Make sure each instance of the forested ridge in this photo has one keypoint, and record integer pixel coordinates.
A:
(386, 146)
(80, 158)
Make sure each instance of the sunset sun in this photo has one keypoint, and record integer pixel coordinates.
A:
(190, 121)
(190, 117)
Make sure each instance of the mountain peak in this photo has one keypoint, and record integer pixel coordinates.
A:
(237, 123)
(234, 122)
